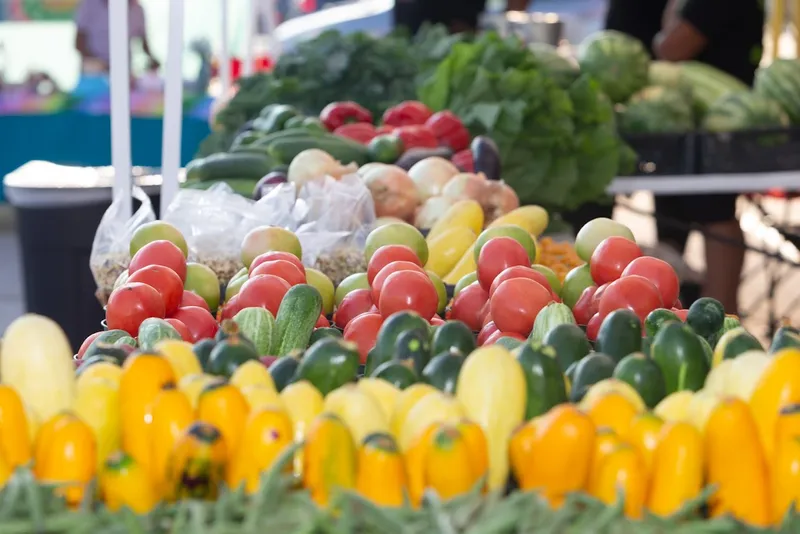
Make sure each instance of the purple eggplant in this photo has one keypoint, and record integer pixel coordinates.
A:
(486, 156)
(268, 182)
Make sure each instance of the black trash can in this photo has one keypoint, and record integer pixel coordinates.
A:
(57, 215)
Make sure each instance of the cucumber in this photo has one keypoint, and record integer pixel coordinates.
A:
(548, 318)
(283, 371)
(658, 318)
(399, 374)
(678, 352)
(570, 343)
(262, 143)
(341, 149)
(544, 380)
(733, 343)
(329, 364)
(442, 371)
(785, 338)
(644, 375)
(415, 347)
(229, 165)
(323, 333)
(453, 335)
(240, 186)
(391, 329)
(706, 316)
(297, 316)
(620, 334)
(589, 371)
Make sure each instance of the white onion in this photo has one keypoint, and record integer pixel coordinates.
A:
(431, 174)
(315, 164)
(432, 210)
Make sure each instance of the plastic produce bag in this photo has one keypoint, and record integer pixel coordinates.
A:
(340, 215)
(110, 254)
(214, 222)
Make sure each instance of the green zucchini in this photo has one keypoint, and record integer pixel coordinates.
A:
(229, 165)
(283, 371)
(442, 371)
(297, 316)
(620, 334)
(391, 329)
(344, 150)
(706, 316)
(329, 364)
(678, 352)
(570, 343)
(453, 335)
(414, 346)
(399, 374)
(589, 371)
(202, 349)
(644, 375)
(658, 318)
(544, 380)
(323, 333)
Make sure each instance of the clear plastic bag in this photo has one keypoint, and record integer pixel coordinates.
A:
(339, 216)
(110, 254)
(214, 222)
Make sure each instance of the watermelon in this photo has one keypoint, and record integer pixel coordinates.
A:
(657, 110)
(708, 84)
(563, 70)
(744, 110)
(780, 81)
(257, 325)
(620, 63)
(153, 330)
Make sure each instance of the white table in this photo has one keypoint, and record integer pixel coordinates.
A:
(705, 184)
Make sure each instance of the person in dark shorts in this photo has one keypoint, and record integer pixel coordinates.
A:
(457, 15)
(726, 34)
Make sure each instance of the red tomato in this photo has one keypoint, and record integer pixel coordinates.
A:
(263, 291)
(436, 321)
(680, 313)
(594, 326)
(322, 322)
(363, 331)
(660, 273)
(354, 304)
(87, 343)
(388, 254)
(190, 298)
(487, 313)
(182, 329)
(468, 306)
(230, 308)
(160, 252)
(200, 323)
(516, 303)
(586, 306)
(492, 339)
(497, 255)
(634, 292)
(383, 274)
(487, 330)
(165, 281)
(282, 269)
(408, 290)
(277, 255)
(611, 257)
(677, 304)
(132, 303)
(520, 271)
(268, 360)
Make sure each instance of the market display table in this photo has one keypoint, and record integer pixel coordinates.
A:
(83, 139)
(706, 184)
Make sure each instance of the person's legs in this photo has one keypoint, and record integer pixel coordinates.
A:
(671, 207)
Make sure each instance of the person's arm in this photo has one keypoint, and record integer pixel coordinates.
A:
(517, 5)
(694, 25)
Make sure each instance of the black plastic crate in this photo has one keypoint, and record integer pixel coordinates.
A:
(664, 154)
(766, 150)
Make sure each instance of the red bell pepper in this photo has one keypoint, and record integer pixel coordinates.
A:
(449, 130)
(408, 113)
(337, 114)
(464, 160)
(416, 137)
(363, 132)
(385, 129)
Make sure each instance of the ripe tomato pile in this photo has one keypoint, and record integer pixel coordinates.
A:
(625, 278)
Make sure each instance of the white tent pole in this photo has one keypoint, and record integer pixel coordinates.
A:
(249, 42)
(173, 106)
(272, 23)
(119, 80)
(224, 56)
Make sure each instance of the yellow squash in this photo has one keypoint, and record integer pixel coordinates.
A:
(106, 370)
(735, 462)
(68, 457)
(358, 410)
(436, 408)
(192, 386)
(643, 434)
(304, 403)
(622, 471)
(143, 377)
(171, 415)
(381, 474)
(252, 373)
(532, 218)
(36, 360)
(15, 441)
(223, 406)
(180, 356)
(464, 266)
(612, 385)
(785, 463)
(414, 459)
(330, 458)
(677, 470)
(448, 464)
(6, 470)
(491, 388)
(258, 397)
(196, 465)
(675, 406)
(267, 433)
(447, 248)
(403, 404)
(605, 442)
(700, 408)
(520, 454)
(123, 482)
(614, 411)
(97, 404)
(465, 213)
(779, 386)
(565, 438)
(382, 391)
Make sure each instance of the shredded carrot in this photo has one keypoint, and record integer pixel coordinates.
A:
(558, 256)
